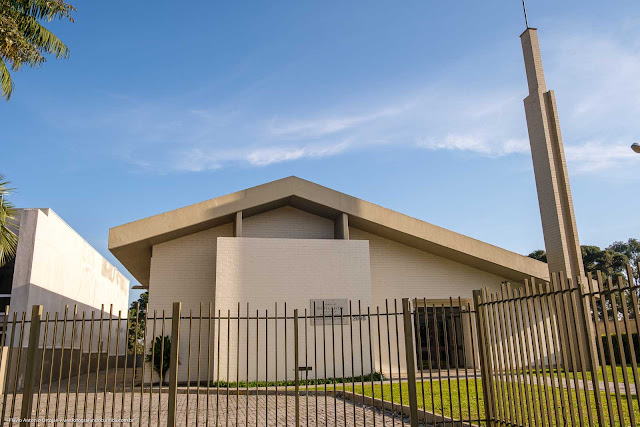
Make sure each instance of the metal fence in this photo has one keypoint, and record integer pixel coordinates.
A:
(528, 355)
(543, 361)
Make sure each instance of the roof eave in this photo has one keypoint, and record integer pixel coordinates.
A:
(131, 243)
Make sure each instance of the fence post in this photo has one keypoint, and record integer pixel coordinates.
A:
(485, 368)
(30, 367)
(173, 364)
(297, 365)
(411, 362)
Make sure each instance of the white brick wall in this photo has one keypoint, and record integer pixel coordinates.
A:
(399, 271)
(184, 270)
(287, 223)
(263, 271)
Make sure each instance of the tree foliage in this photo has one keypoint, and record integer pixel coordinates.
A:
(137, 324)
(540, 255)
(8, 224)
(23, 38)
(611, 261)
(631, 249)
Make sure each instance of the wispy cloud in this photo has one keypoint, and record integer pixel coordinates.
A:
(600, 156)
(477, 144)
(198, 159)
(320, 127)
(267, 156)
(594, 74)
(598, 92)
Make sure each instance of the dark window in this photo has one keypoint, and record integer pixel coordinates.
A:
(6, 277)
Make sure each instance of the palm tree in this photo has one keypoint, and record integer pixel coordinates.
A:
(24, 40)
(8, 224)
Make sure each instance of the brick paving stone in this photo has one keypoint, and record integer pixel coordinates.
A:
(191, 411)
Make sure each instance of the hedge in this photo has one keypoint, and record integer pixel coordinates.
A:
(616, 347)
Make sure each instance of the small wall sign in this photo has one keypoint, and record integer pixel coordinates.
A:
(335, 306)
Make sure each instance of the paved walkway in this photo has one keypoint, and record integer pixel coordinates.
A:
(589, 385)
(264, 410)
(572, 384)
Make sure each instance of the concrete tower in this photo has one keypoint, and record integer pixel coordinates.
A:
(549, 165)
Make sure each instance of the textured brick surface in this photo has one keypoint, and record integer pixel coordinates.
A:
(263, 271)
(262, 410)
(287, 223)
(550, 167)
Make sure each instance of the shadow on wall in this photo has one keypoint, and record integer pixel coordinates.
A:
(55, 366)
(23, 298)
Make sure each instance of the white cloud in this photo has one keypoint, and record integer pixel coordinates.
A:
(198, 159)
(267, 156)
(319, 127)
(477, 144)
(599, 156)
(594, 75)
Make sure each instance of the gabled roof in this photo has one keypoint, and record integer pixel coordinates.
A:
(131, 243)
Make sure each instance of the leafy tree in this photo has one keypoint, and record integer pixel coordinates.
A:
(160, 352)
(540, 255)
(137, 324)
(631, 249)
(24, 40)
(8, 224)
(612, 262)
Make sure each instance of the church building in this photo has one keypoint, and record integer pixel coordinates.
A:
(297, 242)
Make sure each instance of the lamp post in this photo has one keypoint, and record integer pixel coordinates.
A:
(636, 147)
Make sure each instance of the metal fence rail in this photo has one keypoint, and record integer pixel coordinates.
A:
(544, 361)
(527, 355)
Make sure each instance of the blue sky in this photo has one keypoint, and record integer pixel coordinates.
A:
(416, 106)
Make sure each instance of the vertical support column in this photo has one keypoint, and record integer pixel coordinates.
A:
(341, 227)
(31, 362)
(237, 225)
(297, 365)
(173, 364)
(409, 350)
(485, 367)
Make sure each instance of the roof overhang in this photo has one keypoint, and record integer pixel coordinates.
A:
(131, 243)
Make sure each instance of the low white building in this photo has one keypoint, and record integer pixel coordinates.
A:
(55, 267)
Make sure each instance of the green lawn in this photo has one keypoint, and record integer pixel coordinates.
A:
(469, 407)
(600, 374)
(473, 406)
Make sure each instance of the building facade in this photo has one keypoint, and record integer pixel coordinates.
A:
(55, 267)
(297, 242)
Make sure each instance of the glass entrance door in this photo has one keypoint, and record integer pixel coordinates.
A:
(441, 338)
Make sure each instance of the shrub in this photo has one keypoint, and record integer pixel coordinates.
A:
(161, 355)
(375, 376)
(616, 348)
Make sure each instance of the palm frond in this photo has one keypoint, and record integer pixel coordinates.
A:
(8, 245)
(42, 38)
(8, 224)
(44, 9)
(6, 84)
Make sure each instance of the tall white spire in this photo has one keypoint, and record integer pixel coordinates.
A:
(549, 165)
